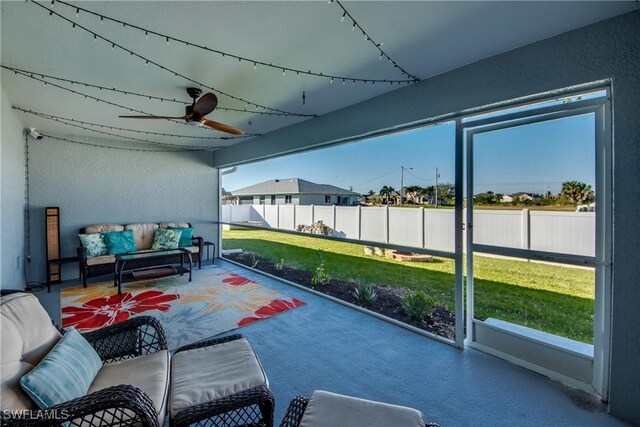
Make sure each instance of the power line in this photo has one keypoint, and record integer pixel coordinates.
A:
(373, 179)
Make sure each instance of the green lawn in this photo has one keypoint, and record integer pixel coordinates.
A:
(551, 298)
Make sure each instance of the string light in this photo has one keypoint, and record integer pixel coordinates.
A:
(176, 74)
(112, 147)
(142, 132)
(28, 73)
(377, 45)
(222, 53)
(69, 122)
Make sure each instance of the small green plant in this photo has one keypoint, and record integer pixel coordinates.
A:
(320, 275)
(419, 304)
(365, 294)
(280, 264)
(254, 261)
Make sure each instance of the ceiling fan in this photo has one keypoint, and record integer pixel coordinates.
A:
(194, 113)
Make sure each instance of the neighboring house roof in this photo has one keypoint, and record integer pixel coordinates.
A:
(225, 192)
(520, 194)
(291, 186)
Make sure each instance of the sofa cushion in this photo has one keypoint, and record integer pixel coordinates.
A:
(119, 242)
(166, 238)
(327, 409)
(150, 373)
(143, 234)
(101, 228)
(204, 374)
(186, 238)
(12, 397)
(94, 244)
(174, 224)
(65, 373)
(106, 259)
(29, 328)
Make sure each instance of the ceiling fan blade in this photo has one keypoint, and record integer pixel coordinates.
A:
(206, 104)
(156, 117)
(222, 127)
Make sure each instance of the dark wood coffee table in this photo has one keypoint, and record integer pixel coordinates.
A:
(146, 265)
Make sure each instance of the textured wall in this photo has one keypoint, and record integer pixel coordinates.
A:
(609, 49)
(12, 194)
(95, 185)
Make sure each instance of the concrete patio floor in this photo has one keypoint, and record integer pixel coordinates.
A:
(324, 345)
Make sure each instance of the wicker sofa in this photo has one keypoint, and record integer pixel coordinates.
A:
(143, 234)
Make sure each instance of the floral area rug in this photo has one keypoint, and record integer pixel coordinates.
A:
(214, 302)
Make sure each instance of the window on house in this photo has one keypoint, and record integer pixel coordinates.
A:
(262, 200)
(327, 199)
(273, 200)
(287, 198)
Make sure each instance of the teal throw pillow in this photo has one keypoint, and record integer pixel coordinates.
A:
(94, 244)
(185, 237)
(119, 242)
(166, 238)
(65, 373)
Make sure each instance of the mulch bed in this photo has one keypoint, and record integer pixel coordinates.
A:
(389, 303)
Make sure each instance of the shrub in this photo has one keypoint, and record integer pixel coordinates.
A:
(365, 294)
(254, 261)
(419, 304)
(320, 275)
(280, 264)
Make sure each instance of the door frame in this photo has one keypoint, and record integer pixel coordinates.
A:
(575, 368)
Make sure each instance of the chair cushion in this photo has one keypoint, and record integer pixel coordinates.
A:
(150, 373)
(166, 238)
(143, 234)
(27, 331)
(65, 373)
(94, 244)
(12, 397)
(106, 259)
(186, 238)
(101, 228)
(327, 409)
(119, 242)
(205, 374)
(174, 224)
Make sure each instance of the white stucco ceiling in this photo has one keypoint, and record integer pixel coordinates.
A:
(425, 38)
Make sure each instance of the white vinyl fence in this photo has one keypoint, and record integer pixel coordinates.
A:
(560, 232)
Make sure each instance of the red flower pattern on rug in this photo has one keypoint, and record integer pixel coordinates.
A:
(106, 311)
(236, 280)
(274, 307)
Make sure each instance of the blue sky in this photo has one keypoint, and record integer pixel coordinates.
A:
(533, 158)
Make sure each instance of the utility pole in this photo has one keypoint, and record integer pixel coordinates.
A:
(437, 176)
(402, 169)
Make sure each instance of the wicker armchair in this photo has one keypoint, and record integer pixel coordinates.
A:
(122, 405)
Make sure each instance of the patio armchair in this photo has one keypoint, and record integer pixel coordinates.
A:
(130, 389)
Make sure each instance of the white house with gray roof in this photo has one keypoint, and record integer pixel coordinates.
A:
(293, 191)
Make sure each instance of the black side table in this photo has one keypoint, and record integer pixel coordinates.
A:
(207, 244)
(59, 262)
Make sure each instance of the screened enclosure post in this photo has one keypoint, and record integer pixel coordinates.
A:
(469, 237)
(459, 188)
(604, 233)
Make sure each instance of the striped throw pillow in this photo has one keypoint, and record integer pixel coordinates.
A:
(65, 373)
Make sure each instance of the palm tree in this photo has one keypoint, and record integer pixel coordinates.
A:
(577, 192)
(386, 193)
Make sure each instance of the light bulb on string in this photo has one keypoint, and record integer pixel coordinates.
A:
(343, 16)
(146, 35)
(77, 12)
